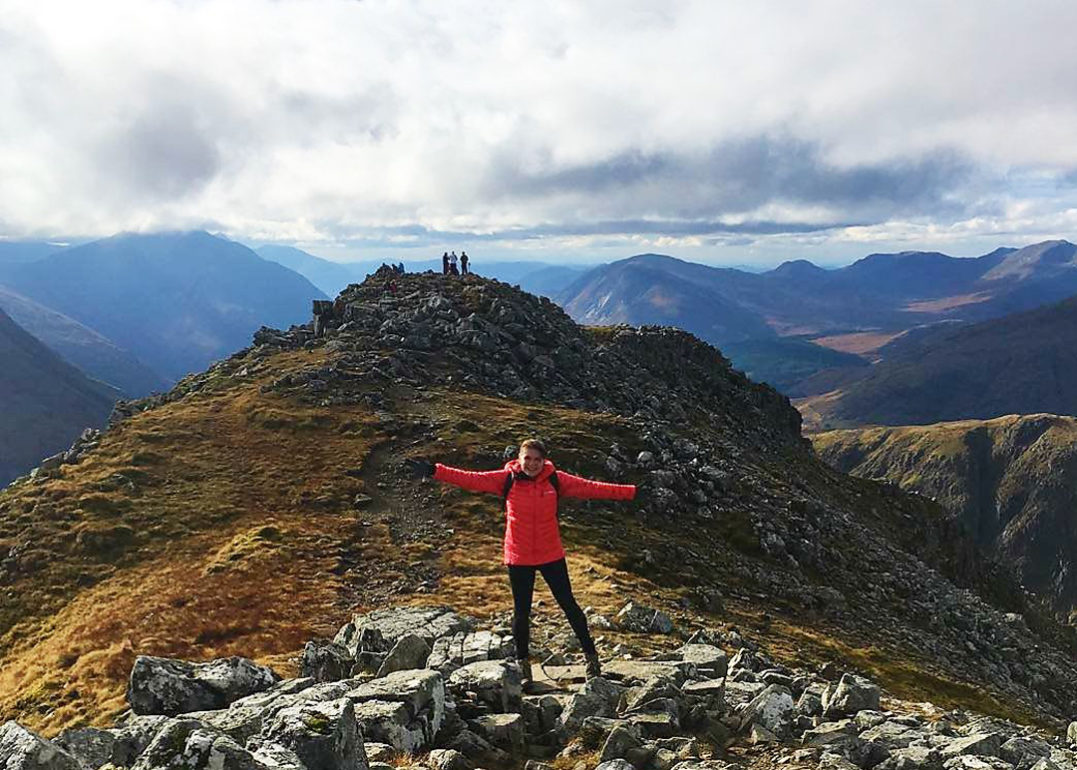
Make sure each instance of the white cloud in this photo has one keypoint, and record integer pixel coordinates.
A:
(332, 121)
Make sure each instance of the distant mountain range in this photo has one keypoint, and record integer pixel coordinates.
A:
(875, 298)
(176, 301)
(80, 345)
(46, 401)
(1012, 481)
(1020, 364)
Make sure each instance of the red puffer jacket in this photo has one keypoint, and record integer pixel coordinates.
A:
(532, 536)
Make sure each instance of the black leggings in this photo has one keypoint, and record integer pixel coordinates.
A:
(523, 586)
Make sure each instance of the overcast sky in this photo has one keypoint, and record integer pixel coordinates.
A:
(727, 132)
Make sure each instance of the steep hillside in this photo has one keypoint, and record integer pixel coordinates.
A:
(177, 301)
(46, 401)
(1020, 364)
(262, 502)
(76, 343)
(1012, 481)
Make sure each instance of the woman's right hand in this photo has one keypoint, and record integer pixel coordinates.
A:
(420, 469)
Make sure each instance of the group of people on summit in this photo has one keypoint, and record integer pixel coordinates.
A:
(449, 263)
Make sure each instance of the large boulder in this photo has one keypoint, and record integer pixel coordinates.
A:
(171, 687)
(22, 749)
(773, 710)
(451, 652)
(980, 744)
(380, 630)
(404, 709)
(505, 731)
(495, 684)
(851, 694)
(91, 746)
(323, 735)
(325, 661)
(597, 698)
(409, 652)
(709, 661)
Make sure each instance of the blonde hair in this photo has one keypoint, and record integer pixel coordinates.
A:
(533, 443)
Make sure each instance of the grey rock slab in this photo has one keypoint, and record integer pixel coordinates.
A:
(974, 762)
(495, 683)
(409, 652)
(912, 758)
(641, 619)
(379, 752)
(704, 764)
(1024, 751)
(22, 749)
(505, 731)
(597, 698)
(187, 743)
(711, 693)
(618, 743)
(90, 746)
(325, 661)
(709, 660)
(322, 734)
(988, 744)
(451, 652)
(392, 723)
(1071, 733)
(169, 686)
(772, 709)
(639, 671)
(389, 625)
(737, 693)
(616, 764)
(273, 756)
(448, 759)
(851, 694)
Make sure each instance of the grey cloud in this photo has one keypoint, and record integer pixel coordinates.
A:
(163, 154)
(743, 175)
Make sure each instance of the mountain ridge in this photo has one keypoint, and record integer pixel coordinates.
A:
(269, 488)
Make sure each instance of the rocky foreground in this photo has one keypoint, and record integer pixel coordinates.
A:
(424, 687)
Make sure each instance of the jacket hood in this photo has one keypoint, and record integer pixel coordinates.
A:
(547, 468)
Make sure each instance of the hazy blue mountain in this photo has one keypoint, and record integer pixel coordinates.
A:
(652, 289)
(98, 357)
(13, 252)
(177, 301)
(331, 277)
(46, 401)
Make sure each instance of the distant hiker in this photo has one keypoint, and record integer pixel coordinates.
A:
(452, 264)
(400, 268)
(532, 487)
(445, 263)
(463, 262)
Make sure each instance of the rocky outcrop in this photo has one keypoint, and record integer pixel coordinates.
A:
(643, 715)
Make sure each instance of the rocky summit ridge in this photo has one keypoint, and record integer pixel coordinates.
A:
(426, 687)
(283, 463)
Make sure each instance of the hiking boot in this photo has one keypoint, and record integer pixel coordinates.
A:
(594, 667)
(525, 671)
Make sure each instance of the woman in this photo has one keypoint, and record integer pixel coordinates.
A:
(531, 487)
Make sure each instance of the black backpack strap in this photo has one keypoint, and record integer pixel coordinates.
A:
(511, 479)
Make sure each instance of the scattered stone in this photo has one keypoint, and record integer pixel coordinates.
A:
(850, 695)
(22, 749)
(409, 652)
(171, 687)
(644, 620)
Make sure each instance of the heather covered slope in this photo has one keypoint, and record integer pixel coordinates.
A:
(177, 301)
(1012, 481)
(263, 501)
(46, 401)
